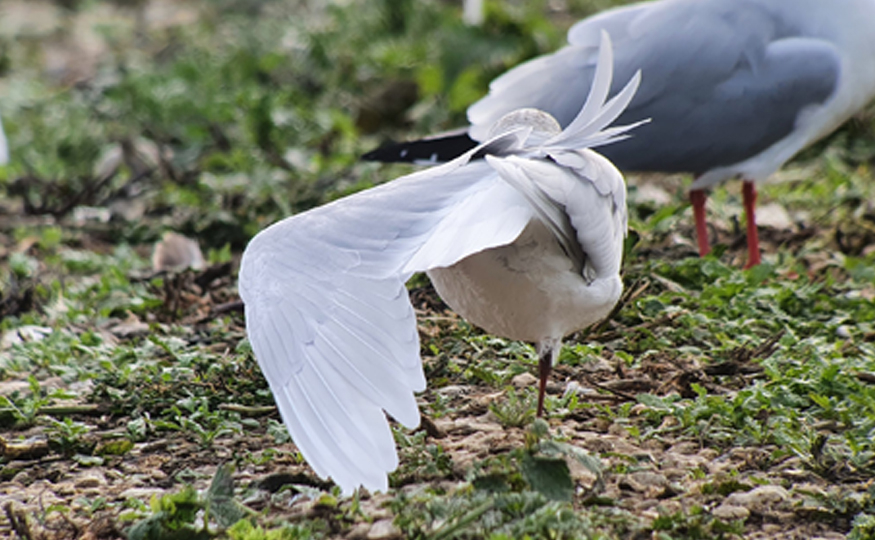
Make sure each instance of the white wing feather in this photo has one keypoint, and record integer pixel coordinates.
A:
(329, 318)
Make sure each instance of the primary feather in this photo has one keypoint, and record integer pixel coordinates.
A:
(327, 311)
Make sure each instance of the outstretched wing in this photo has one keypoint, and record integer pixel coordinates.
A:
(328, 314)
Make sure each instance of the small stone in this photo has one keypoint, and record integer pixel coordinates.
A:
(650, 483)
(452, 390)
(23, 478)
(598, 365)
(708, 454)
(142, 493)
(759, 497)
(651, 513)
(359, 531)
(650, 193)
(524, 380)
(774, 216)
(581, 474)
(730, 512)
(32, 448)
(64, 489)
(383, 530)
(575, 388)
(687, 448)
(132, 327)
(10, 387)
(176, 252)
(670, 507)
(90, 480)
(24, 334)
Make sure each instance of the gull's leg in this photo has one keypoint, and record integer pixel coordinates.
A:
(548, 352)
(749, 195)
(697, 197)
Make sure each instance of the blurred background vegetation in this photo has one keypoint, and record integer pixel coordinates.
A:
(215, 118)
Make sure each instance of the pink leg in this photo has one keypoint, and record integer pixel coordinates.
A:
(697, 197)
(749, 194)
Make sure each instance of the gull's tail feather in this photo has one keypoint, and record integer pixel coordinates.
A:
(438, 149)
(588, 129)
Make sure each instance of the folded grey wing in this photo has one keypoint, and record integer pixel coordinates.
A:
(557, 83)
(328, 314)
(722, 81)
(703, 64)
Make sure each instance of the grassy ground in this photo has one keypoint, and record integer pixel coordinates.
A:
(716, 403)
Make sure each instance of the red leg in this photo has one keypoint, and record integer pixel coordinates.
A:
(697, 197)
(749, 194)
(545, 365)
(548, 352)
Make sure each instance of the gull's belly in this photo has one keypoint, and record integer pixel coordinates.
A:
(527, 290)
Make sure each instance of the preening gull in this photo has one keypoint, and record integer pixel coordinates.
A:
(734, 88)
(526, 242)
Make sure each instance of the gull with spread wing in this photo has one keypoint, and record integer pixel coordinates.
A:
(526, 243)
(734, 88)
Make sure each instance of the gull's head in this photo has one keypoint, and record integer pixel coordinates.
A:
(543, 124)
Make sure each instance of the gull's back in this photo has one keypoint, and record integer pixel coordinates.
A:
(732, 86)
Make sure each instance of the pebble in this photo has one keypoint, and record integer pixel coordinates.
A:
(524, 380)
(64, 489)
(359, 531)
(650, 483)
(90, 480)
(759, 497)
(142, 493)
(708, 454)
(651, 193)
(452, 391)
(581, 475)
(687, 448)
(383, 530)
(575, 388)
(23, 478)
(24, 334)
(728, 512)
(774, 216)
(476, 425)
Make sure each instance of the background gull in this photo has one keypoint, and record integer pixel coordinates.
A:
(734, 88)
(526, 243)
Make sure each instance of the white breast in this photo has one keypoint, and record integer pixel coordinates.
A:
(527, 290)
